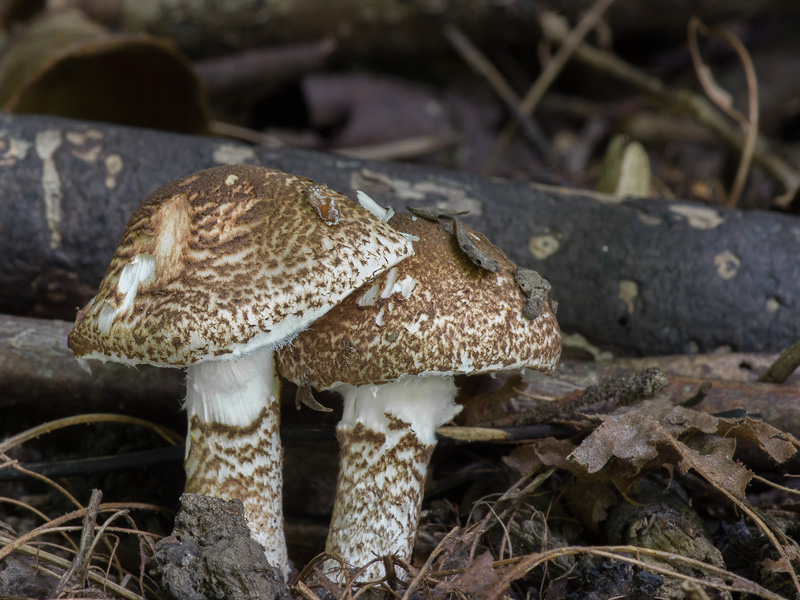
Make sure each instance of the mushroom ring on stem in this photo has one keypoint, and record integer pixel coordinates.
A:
(214, 272)
(391, 350)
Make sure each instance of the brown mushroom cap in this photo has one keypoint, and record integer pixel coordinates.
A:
(227, 260)
(435, 313)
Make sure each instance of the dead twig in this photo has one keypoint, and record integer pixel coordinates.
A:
(547, 77)
(786, 364)
(723, 100)
(679, 99)
(428, 566)
(407, 148)
(484, 67)
(77, 572)
(42, 556)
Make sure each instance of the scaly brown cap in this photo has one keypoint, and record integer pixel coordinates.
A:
(435, 313)
(227, 260)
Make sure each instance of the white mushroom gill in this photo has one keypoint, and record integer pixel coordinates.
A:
(234, 422)
(388, 430)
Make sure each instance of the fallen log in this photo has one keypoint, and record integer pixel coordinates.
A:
(382, 28)
(639, 276)
(40, 374)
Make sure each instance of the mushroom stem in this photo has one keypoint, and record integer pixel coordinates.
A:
(386, 438)
(233, 449)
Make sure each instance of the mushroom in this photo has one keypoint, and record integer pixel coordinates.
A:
(391, 350)
(214, 272)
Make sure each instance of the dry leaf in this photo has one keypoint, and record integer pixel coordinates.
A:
(480, 577)
(590, 502)
(657, 434)
(778, 444)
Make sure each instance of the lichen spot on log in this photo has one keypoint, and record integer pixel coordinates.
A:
(543, 246)
(699, 217)
(773, 305)
(628, 293)
(727, 264)
(113, 163)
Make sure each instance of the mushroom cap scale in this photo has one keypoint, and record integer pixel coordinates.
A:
(436, 313)
(227, 260)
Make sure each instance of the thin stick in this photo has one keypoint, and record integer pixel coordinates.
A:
(750, 125)
(41, 555)
(52, 525)
(80, 562)
(483, 66)
(546, 78)
(301, 588)
(428, 566)
(50, 426)
(682, 99)
(526, 563)
(784, 365)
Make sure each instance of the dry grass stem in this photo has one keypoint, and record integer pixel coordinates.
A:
(45, 428)
(43, 556)
(524, 564)
(678, 99)
(749, 125)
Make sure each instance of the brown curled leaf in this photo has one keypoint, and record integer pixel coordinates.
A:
(474, 253)
(535, 288)
(433, 213)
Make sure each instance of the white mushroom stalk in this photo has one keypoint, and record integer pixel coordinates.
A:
(233, 448)
(386, 435)
(391, 349)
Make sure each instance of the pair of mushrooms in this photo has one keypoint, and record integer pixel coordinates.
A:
(239, 273)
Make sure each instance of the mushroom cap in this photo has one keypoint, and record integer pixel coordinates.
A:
(435, 313)
(227, 260)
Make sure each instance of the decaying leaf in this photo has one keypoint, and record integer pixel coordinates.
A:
(434, 213)
(779, 445)
(535, 289)
(548, 452)
(480, 577)
(475, 254)
(657, 434)
(590, 502)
